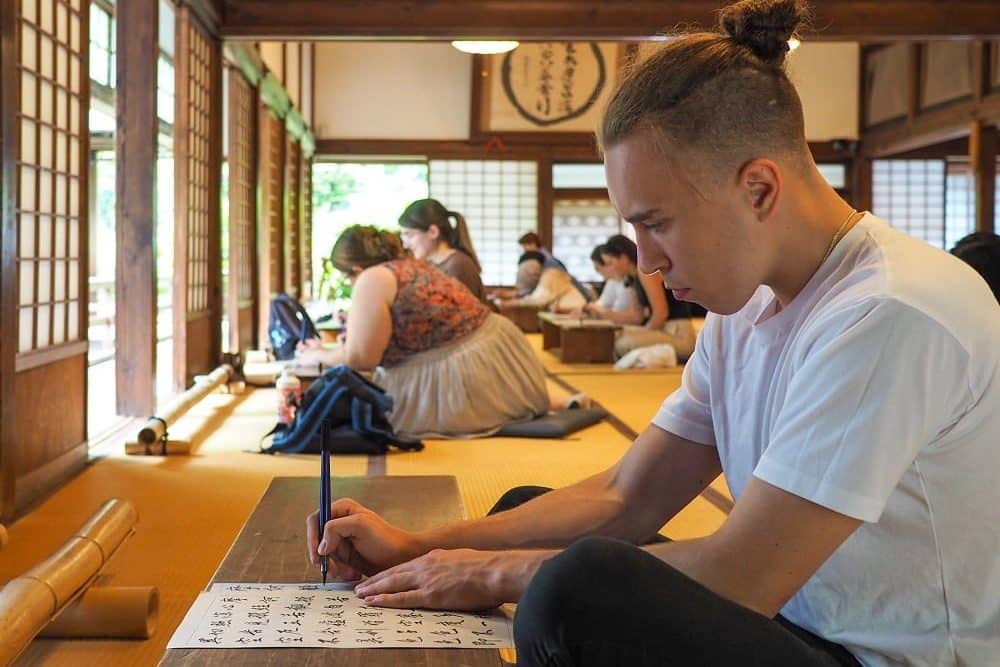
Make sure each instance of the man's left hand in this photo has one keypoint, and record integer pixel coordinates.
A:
(456, 579)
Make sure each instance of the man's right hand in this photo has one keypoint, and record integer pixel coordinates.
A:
(358, 541)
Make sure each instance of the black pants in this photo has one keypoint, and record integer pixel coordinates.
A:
(608, 602)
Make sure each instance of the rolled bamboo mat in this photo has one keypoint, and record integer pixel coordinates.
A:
(114, 612)
(31, 601)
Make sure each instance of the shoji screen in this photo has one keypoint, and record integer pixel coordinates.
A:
(499, 199)
(242, 211)
(305, 238)
(578, 225)
(197, 164)
(45, 144)
(293, 273)
(910, 194)
(270, 216)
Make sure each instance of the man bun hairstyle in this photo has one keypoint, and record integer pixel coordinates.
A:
(763, 26)
(722, 96)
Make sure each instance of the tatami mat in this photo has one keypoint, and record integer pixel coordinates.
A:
(634, 399)
(191, 508)
(190, 511)
(555, 366)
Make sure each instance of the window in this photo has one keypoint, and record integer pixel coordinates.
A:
(102, 44)
(165, 80)
(959, 202)
(933, 200)
(578, 175)
(499, 199)
(164, 226)
(835, 174)
(349, 193)
(910, 194)
(579, 225)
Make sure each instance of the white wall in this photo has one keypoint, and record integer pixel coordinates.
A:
(398, 90)
(391, 90)
(826, 77)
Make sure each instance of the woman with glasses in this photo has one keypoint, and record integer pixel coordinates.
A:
(428, 233)
(453, 368)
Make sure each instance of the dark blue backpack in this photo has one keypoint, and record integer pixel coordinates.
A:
(288, 325)
(352, 408)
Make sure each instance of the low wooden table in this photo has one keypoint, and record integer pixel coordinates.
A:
(525, 317)
(271, 548)
(576, 340)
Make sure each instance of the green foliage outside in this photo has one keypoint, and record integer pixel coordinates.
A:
(346, 194)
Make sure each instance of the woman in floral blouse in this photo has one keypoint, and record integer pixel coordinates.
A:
(453, 368)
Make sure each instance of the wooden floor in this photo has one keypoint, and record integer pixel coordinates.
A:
(191, 508)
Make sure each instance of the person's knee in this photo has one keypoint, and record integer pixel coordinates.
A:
(517, 496)
(557, 597)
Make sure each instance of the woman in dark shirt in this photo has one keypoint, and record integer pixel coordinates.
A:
(667, 320)
(428, 233)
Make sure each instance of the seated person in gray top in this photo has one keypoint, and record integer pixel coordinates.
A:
(427, 233)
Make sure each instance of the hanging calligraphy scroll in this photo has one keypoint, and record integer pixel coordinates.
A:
(550, 86)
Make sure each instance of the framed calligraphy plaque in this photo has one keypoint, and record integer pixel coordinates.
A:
(552, 87)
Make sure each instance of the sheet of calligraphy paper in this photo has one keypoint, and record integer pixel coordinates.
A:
(309, 615)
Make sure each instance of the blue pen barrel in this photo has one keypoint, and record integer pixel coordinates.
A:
(324, 491)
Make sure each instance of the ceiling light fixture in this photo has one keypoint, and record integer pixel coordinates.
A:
(470, 46)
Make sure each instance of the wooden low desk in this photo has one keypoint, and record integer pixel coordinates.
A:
(271, 548)
(576, 340)
(525, 317)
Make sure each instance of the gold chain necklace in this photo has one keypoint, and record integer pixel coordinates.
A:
(836, 236)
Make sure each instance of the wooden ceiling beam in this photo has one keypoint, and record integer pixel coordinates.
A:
(851, 20)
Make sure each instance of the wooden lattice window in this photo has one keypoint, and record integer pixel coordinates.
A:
(578, 226)
(272, 150)
(306, 237)
(910, 194)
(196, 202)
(51, 173)
(499, 199)
(293, 274)
(242, 183)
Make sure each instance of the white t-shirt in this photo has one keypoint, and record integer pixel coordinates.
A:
(619, 297)
(875, 393)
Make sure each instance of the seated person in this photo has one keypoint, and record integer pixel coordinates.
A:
(618, 301)
(846, 383)
(543, 281)
(598, 261)
(664, 319)
(427, 233)
(529, 272)
(981, 251)
(454, 369)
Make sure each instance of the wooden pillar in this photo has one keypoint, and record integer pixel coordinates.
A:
(546, 201)
(861, 183)
(135, 207)
(983, 162)
(9, 105)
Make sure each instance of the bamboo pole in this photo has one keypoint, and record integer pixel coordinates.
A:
(115, 612)
(154, 429)
(31, 601)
